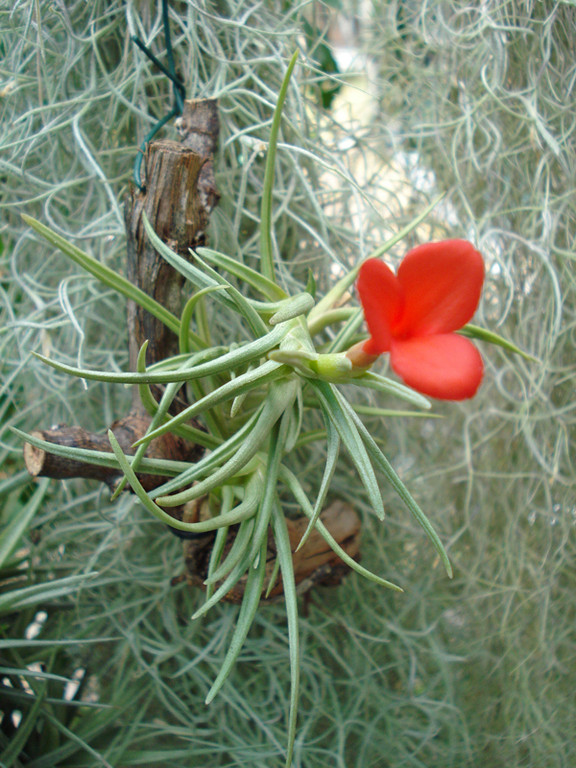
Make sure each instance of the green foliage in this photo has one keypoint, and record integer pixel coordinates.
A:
(40, 690)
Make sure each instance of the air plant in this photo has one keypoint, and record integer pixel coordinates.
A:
(255, 392)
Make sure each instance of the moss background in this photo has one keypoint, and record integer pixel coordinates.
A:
(477, 101)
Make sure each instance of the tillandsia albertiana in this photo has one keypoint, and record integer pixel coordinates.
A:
(252, 394)
(256, 392)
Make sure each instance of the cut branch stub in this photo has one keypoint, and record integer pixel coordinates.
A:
(179, 195)
(172, 204)
(127, 430)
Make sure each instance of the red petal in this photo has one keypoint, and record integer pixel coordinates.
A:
(446, 366)
(442, 283)
(381, 298)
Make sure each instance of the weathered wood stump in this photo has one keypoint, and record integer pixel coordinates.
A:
(178, 197)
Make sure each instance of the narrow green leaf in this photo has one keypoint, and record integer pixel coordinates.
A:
(241, 356)
(276, 448)
(248, 610)
(146, 397)
(242, 305)
(387, 386)
(234, 576)
(17, 599)
(292, 482)
(294, 307)
(159, 414)
(368, 410)
(475, 332)
(165, 467)
(239, 549)
(318, 323)
(6, 645)
(12, 533)
(332, 451)
(202, 321)
(218, 547)
(34, 674)
(173, 362)
(185, 430)
(212, 461)
(338, 411)
(264, 374)
(343, 340)
(106, 275)
(295, 422)
(382, 462)
(181, 265)
(311, 284)
(266, 250)
(196, 276)
(284, 555)
(239, 513)
(239, 400)
(99, 722)
(272, 578)
(276, 402)
(186, 338)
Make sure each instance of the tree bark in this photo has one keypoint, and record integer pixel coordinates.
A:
(178, 196)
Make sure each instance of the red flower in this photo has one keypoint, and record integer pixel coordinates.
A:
(413, 315)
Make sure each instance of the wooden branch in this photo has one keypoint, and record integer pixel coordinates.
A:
(178, 197)
(315, 564)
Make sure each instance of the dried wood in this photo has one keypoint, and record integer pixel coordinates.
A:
(178, 196)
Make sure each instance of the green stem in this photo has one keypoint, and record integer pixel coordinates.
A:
(266, 252)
